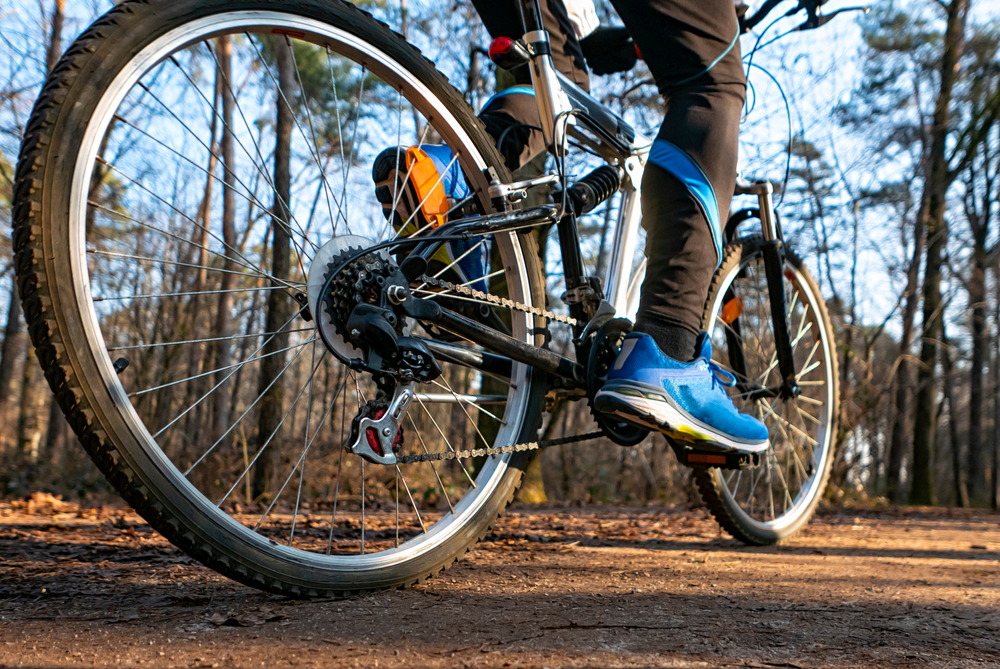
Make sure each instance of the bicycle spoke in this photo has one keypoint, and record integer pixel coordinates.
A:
(244, 414)
(314, 146)
(437, 475)
(430, 191)
(219, 369)
(202, 341)
(183, 215)
(254, 269)
(298, 464)
(197, 292)
(354, 138)
(260, 451)
(412, 503)
(203, 397)
(446, 441)
(282, 222)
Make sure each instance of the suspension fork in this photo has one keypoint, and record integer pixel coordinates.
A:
(774, 260)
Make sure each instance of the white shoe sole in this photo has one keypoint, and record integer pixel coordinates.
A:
(662, 416)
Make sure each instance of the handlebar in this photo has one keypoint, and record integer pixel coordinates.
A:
(811, 7)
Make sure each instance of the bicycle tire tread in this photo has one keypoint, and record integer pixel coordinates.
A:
(43, 327)
(705, 478)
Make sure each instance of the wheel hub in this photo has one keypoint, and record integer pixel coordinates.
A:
(356, 302)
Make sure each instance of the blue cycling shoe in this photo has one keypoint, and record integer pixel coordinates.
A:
(684, 400)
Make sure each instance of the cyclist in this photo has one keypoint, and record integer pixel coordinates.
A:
(663, 379)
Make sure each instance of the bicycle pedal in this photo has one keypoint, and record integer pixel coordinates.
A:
(719, 459)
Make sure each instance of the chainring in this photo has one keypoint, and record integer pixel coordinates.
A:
(604, 349)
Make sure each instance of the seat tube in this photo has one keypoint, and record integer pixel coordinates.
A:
(548, 92)
(626, 237)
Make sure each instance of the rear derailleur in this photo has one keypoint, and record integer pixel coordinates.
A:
(362, 304)
(376, 434)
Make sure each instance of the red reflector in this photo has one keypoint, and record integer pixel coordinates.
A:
(707, 459)
(372, 435)
(500, 46)
(638, 54)
(373, 441)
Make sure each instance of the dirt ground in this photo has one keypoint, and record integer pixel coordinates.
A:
(551, 587)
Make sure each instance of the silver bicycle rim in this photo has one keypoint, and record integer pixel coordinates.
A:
(380, 64)
(793, 468)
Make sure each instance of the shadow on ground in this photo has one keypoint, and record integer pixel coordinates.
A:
(601, 587)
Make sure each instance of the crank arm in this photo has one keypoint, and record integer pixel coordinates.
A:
(383, 430)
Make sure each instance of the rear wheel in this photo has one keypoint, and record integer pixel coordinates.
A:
(774, 500)
(165, 223)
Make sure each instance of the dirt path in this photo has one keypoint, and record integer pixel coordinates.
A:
(591, 587)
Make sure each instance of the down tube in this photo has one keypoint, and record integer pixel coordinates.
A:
(626, 237)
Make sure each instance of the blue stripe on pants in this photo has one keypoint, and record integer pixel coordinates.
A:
(682, 166)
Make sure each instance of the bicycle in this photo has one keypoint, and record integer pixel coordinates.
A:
(127, 285)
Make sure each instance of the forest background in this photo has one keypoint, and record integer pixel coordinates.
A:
(882, 132)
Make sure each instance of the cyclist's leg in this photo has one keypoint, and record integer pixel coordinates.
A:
(513, 114)
(692, 50)
(690, 177)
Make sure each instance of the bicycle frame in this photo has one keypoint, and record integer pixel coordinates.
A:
(566, 110)
(560, 102)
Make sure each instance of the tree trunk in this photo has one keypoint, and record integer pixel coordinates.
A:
(194, 326)
(976, 455)
(54, 49)
(995, 487)
(56, 433)
(938, 180)
(961, 492)
(278, 307)
(904, 373)
(222, 317)
(11, 358)
(15, 338)
(31, 418)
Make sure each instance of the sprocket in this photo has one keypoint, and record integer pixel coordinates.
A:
(360, 282)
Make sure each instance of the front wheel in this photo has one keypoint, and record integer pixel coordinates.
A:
(774, 500)
(186, 163)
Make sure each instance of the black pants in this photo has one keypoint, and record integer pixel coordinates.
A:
(691, 48)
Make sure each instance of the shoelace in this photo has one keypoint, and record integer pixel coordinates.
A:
(721, 377)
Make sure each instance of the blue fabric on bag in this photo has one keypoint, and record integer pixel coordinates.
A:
(473, 266)
(452, 180)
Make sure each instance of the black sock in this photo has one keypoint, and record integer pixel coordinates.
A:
(675, 341)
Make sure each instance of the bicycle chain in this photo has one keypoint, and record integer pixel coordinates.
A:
(496, 450)
(494, 299)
